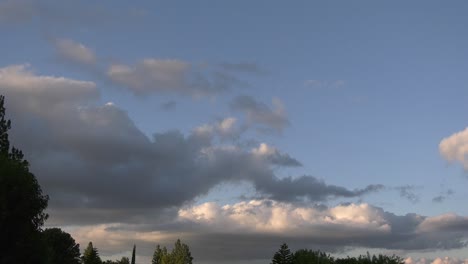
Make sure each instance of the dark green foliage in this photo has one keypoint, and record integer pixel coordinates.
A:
(91, 255)
(22, 203)
(180, 254)
(133, 254)
(283, 255)
(61, 247)
(157, 255)
(307, 256)
(124, 260)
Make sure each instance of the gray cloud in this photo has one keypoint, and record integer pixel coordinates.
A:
(407, 192)
(443, 196)
(74, 52)
(173, 77)
(266, 119)
(56, 14)
(169, 105)
(95, 157)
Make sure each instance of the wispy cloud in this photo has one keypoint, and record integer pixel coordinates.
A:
(265, 118)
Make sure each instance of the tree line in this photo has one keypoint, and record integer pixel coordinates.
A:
(307, 256)
(22, 239)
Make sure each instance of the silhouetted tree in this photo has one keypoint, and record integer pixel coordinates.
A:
(91, 255)
(133, 254)
(22, 203)
(61, 247)
(124, 260)
(283, 255)
(307, 256)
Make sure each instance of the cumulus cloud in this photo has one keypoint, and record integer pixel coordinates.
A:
(455, 148)
(275, 156)
(77, 150)
(266, 119)
(225, 129)
(210, 227)
(74, 52)
(170, 76)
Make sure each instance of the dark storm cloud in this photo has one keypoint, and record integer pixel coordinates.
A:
(266, 119)
(95, 156)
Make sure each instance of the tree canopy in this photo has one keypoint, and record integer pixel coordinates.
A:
(283, 255)
(22, 203)
(91, 255)
(61, 247)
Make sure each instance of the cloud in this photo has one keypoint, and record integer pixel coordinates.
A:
(254, 229)
(170, 76)
(243, 67)
(407, 192)
(56, 14)
(225, 129)
(42, 94)
(455, 148)
(74, 52)
(94, 157)
(267, 119)
(322, 84)
(169, 105)
(443, 196)
(275, 156)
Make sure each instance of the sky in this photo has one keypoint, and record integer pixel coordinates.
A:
(239, 125)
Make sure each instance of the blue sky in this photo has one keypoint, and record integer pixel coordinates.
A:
(359, 93)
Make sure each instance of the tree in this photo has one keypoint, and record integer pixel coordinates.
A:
(91, 255)
(157, 255)
(283, 255)
(307, 256)
(61, 247)
(22, 203)
(133, 254)
(124, 260)
(179, 255)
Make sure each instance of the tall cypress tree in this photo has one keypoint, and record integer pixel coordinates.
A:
(283, 255)
(133, 254)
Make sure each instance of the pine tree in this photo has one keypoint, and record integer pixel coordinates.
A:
(181, 253)
(133, 254)
(91, 255)
(157, 255)
(283, 255)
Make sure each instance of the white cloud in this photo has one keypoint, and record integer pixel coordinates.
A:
(74, 52)
(455, 148)
(267, 216)
(272, 154)
(225, 129)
